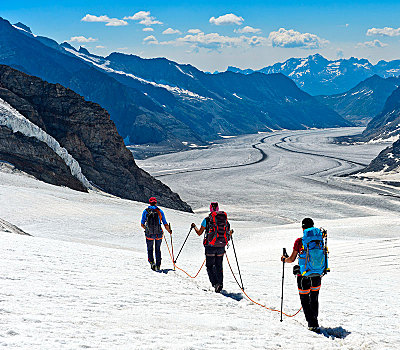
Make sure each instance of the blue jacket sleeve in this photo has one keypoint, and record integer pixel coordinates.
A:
(144, 216)
(164, 221)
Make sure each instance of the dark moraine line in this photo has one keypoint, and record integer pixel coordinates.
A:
(264, 156)
(283, 140)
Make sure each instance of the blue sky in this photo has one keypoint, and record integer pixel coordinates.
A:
(212, 36)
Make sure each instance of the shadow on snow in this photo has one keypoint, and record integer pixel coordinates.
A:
(234, 296)
(333, 333)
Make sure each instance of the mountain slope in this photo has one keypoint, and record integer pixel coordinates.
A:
(320, 76)
(385, 125)
(85, 131)
(159, 101)
(361, 103)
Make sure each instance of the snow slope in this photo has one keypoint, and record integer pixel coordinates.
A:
(14, 120)
(83, 280)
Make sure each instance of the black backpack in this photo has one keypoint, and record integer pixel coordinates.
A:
(217, 230)
(153, 222)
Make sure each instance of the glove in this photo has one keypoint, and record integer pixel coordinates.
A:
(193, 225)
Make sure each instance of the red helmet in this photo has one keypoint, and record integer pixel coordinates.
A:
(152, 200)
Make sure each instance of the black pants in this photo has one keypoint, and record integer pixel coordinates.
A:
(309, 290)
(214, 258)
(150, 256)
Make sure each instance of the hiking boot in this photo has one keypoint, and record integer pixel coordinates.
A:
(218, 288)
(158, 268)
(153, 266)
(314, 329)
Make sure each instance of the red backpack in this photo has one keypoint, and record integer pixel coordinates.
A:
(217, 230)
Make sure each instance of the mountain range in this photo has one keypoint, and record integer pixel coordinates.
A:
(159, 101)
(364, 101)
(319, 76)
(52, 133)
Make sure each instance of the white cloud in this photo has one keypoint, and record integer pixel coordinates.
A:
(247, 30)
(291, 38)
(115, 22)
(100, 47)
(82, 39)
(387, 31)
(122, 48)
(151, 39)
(171, 31)
(339, 53)
(144, 18)
(229, 18)
(371, 44)
(148, 29)
(194, 31)
(217, 41)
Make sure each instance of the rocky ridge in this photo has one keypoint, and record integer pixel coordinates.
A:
(85, 130)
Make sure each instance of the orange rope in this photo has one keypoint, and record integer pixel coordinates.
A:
(264, 306)
(173, 262)
(252, 299)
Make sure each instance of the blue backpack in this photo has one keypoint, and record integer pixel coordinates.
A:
(313, 260)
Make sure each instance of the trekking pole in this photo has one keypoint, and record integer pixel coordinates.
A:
(172, 246)
(237, 263)
(283, 278)
(183, 245)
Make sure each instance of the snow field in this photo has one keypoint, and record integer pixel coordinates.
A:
(83, 280)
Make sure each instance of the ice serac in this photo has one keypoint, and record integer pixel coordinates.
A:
(85, 130)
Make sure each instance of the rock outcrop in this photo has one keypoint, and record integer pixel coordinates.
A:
(85, 130)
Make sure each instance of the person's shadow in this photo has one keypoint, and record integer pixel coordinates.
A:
(333, 333)
(165, 270)
(234, 296)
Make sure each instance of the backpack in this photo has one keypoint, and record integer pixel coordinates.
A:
(313, 260)
(153, 223)
(217, 230)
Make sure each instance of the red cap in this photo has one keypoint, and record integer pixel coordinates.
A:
(153, 200)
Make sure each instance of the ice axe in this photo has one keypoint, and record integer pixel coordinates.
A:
(284, 253)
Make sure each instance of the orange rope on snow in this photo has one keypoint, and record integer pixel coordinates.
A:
(173, 262)
(252, 299)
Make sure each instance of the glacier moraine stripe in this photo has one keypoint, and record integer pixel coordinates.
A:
(14, 120)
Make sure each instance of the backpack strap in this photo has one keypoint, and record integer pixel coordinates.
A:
(159, 215)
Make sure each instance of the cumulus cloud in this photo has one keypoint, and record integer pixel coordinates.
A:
(148, 29)
(371, 44)
(217, 41)
(229, 18)
(171, 31)
(387, 31)
(291, 38)
(114, 22)
(247, 30)
(151, 39)
(194, 31)
(144, 18)
(82, 39)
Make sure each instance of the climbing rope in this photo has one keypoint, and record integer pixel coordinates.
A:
(172, 259)
(233, 274)
(253, 301)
